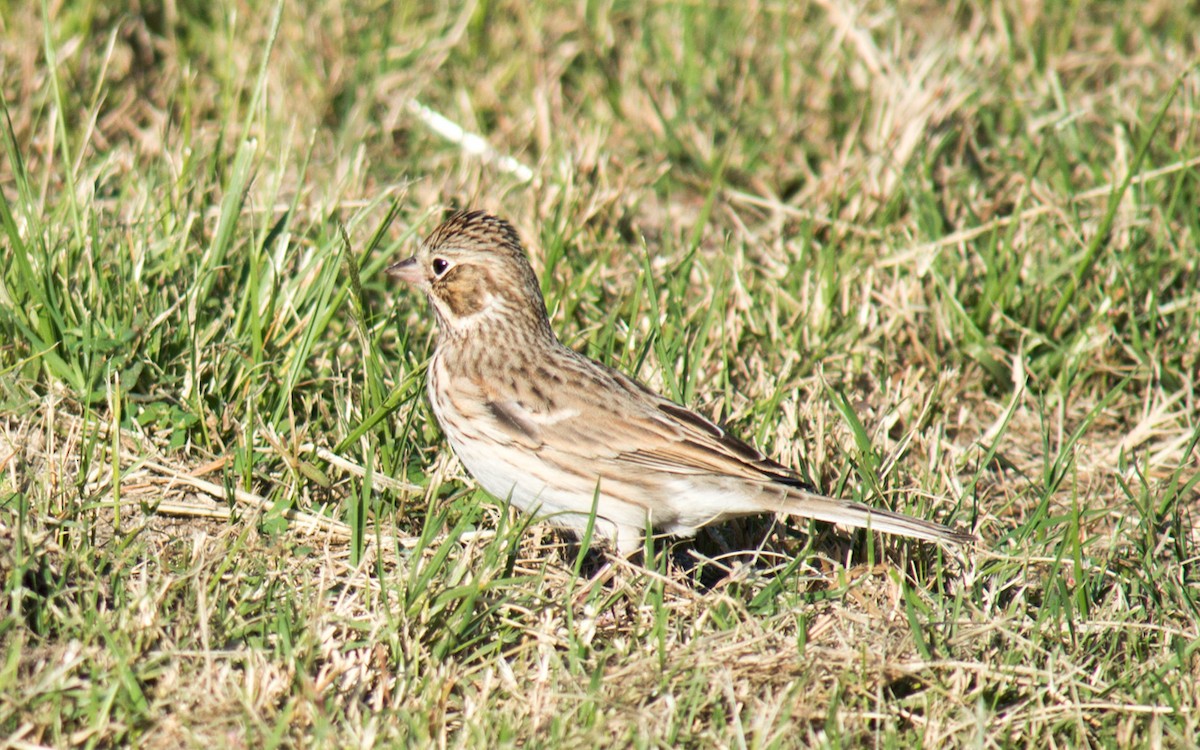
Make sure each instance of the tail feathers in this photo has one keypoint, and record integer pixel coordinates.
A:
(850, 513)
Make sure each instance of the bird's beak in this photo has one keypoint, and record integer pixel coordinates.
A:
(406, 270)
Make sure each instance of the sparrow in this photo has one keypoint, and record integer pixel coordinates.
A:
(563, 436)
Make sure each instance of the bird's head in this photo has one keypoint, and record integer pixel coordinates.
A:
(475, 273)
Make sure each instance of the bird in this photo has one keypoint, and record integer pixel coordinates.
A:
(573, 441)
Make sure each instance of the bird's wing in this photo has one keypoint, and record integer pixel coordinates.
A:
(614, 424)
(515, 419)
(691, 444)
(611, 417)
(528, 421)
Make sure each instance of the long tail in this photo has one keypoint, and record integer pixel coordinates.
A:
(849, 513)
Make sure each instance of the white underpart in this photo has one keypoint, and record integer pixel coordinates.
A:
(510, 471)
(542, 479)
(513, 472)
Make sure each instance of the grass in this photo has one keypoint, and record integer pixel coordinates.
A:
(939, 258)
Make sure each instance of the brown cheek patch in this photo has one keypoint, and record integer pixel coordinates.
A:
(462, 289)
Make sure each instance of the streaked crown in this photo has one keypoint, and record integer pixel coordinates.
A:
(475, 273)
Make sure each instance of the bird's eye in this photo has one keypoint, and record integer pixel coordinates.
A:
(440, 266)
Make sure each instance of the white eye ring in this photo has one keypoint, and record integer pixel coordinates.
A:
(440, 266)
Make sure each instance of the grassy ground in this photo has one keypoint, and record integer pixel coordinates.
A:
(943, 257)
